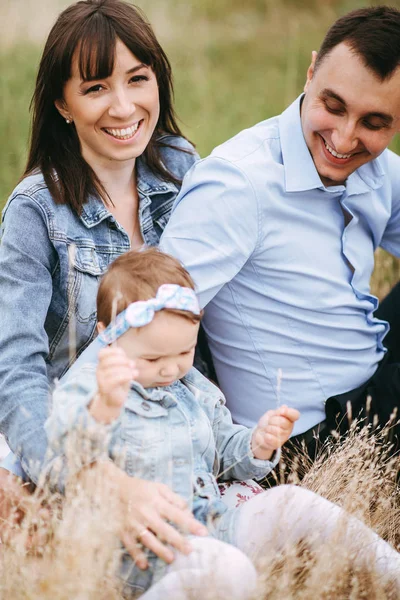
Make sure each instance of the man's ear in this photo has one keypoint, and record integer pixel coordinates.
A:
(311, 69)
(62, 109)
(100, 327)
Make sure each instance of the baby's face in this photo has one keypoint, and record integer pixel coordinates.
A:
(163, 350)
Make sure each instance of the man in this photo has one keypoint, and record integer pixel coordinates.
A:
(278, 229)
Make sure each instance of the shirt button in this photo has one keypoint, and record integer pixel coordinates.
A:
(146, 406)
(200, 482)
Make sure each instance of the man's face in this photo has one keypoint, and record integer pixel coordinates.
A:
(348, 115)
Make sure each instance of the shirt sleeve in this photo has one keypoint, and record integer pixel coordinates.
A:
(234, 449)
(391, 237)
(214, 226)
(75, 438)
(27, 260)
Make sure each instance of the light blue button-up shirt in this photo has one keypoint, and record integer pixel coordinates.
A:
(289, 313)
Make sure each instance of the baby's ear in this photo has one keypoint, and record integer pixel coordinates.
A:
(100, 327)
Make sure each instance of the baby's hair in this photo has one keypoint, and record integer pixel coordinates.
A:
(137, 275)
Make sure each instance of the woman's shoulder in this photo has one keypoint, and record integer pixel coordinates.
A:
(177, 153)
(34, 188)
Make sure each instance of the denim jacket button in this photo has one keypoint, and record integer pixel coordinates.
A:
(146, 406)
(200, 482)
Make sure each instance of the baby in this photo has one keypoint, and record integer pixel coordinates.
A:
(163, 421)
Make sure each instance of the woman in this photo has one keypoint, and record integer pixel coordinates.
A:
(105, 163)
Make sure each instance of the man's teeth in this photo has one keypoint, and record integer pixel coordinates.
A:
(123, 134)
(336, 154)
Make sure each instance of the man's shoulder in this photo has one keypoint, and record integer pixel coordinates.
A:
(260, 140)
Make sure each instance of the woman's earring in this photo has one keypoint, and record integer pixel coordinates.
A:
(68, 121)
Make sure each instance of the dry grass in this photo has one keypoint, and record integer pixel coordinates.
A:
(82, 554)
(359, 475)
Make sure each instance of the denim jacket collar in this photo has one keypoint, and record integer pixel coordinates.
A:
(148, 183)
(300, 171)
(193, 380)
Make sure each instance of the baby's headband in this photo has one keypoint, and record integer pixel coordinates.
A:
(142, 313)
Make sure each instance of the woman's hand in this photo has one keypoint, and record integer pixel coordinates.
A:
(273, 430)
(146, 508)
(16, 503)
(114, 374)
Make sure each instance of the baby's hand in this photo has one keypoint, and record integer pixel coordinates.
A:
(114, 374)
(273, 430)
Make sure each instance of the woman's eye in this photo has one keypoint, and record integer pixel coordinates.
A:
(94, 89)
(152, 360)
(138, 78)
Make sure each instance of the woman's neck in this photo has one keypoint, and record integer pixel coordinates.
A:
(117, 177)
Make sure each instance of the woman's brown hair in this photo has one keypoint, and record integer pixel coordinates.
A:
(137, 275)
(90, 29)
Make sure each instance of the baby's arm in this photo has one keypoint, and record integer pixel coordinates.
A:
(76, 437)
(240, 458)
(114, 374)
(273, 430)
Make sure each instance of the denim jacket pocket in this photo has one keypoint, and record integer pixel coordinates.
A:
(144, 422)
(143, 436)
(85, 281)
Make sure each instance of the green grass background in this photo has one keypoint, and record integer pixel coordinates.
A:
(236, 62)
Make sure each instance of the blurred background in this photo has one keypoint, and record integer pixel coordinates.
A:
(235, 63)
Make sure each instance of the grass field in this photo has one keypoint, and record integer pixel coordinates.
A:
(236, 62)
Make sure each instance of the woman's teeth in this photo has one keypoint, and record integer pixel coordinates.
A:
(336, 154)
(123, 134)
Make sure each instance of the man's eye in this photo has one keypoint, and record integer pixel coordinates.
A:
(374, 126)
(335, 110)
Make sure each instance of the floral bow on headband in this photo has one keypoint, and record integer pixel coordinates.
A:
(142, 312)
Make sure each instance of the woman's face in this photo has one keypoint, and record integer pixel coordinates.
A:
(114, 117)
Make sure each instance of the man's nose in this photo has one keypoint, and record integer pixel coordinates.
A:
(345, 138)
(122, 106)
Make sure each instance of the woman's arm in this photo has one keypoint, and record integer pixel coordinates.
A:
(27, 260)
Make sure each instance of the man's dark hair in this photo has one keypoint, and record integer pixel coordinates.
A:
(372, 33)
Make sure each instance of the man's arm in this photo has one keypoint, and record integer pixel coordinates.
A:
(391, 236)
(214, 225)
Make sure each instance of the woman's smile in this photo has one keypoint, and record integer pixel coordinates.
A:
(114, 117)
(126, 133)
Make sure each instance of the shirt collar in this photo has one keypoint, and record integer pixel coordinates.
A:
(148, 183)
(300, 171)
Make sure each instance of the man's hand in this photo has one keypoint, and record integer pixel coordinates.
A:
(146, 509)
(114, 374)
(273, 430)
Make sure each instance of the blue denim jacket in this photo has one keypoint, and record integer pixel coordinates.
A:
(42, 301)
(181, 435)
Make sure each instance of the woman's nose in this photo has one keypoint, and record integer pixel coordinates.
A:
(122, 106)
